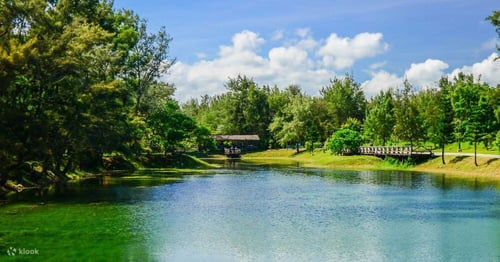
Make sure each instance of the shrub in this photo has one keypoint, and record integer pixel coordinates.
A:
(344, 141)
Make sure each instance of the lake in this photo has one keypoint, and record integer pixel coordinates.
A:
(257, 213)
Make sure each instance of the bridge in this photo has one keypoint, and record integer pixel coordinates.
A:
(396, 152)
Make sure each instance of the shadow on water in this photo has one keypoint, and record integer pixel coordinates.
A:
(124, 188)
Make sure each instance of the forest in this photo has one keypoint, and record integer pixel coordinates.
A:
(80, 80)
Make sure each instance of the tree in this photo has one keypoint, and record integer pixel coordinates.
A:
(475, 116)
(408, 122)
(148, 59)
(495, 21)
(444, 126)
(61, 103)
(345, 98)
(169, 127)
(292, 126)
(379, 122)
(247, 109)
(344, 141)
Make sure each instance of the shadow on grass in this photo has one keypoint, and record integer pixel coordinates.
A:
(458, 159)
(491, 161)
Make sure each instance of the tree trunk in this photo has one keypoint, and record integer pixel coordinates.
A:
(442, 154)
(475, 153)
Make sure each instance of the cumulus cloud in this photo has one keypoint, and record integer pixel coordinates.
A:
(488, 70)
(342, 52)
(379, 81)
(281, 66)
(426, 74)
(304, 61)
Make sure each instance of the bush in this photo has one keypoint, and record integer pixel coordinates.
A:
(344, 142)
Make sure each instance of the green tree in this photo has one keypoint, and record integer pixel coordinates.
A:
(474, 114)
(169, 127)
(247, 109)
(408, 122)
(294, 125)
(444, 127)
(344, 141)
(345, 98)
(379, 122)
(495, 21)
(148, 59)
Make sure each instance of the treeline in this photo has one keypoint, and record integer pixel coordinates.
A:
(462, 109)
(78, 81)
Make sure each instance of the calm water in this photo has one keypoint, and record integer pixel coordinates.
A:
(258, 214)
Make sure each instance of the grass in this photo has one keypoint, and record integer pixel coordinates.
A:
(459, 166)
(469, 148)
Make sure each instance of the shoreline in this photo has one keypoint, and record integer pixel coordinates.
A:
(456, 166)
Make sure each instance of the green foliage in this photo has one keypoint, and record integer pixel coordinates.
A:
(495, 21)
(169, 127)
(380, 121)
(345, 99)
(79, 80)
(147, 59)
(408, 122)
(344, 141)
(475, 117)
(497, 141)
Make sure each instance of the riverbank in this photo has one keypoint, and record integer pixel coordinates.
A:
(458, 166)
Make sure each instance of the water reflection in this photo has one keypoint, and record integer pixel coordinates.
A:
(267, 213)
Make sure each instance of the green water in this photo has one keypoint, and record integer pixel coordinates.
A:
(257, 214)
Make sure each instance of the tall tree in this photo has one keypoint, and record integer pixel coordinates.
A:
(169, 127)
(444, 126)
(345, 98)
(294, 125)
(474, 114)
(148, 59)
(247, 108)
(379, 122)
(408, 122)
(495, 21)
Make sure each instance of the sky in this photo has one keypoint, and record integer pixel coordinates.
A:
(308, 43)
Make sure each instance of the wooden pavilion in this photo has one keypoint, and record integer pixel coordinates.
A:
(233, 145)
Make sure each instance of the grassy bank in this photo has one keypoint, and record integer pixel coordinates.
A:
(456, 165)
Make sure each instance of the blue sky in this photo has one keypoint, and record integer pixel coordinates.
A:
(309, 42)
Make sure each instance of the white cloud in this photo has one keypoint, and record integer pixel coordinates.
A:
(303, 32)
(243, 41)
(379, 65)
(282, 66)
(283, 58)
(277, 35)
(488, 70)
(490, 44)
(296, 61)
(380, 80)
(342, 52)
(426, 74)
